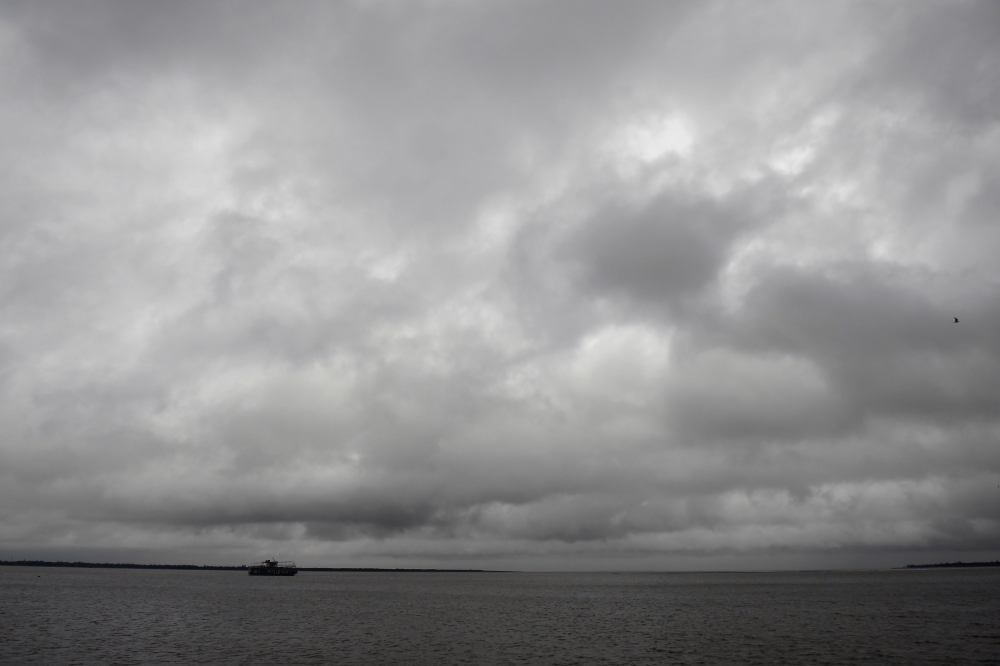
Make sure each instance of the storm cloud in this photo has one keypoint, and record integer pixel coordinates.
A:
(500, 284)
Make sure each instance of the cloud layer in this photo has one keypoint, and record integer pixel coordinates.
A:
(500, 283)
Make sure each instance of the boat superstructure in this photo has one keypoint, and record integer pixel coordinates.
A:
(273, 568)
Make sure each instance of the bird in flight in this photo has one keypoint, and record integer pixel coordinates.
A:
(956, 320)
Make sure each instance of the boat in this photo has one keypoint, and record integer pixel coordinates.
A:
(273, 568)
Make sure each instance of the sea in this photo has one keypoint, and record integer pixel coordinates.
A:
(57, 616)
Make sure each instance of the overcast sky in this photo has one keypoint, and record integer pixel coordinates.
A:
(538, 285)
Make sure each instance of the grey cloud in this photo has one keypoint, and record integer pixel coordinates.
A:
(552, 286)
(666, 250)
(89, 43)
(955, 79)
(887, 338)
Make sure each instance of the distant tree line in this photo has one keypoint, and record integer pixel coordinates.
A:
(363, 569)
(196, 567)
(115, 565)
(953, 565)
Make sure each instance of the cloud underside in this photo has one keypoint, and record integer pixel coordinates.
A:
(442, 280)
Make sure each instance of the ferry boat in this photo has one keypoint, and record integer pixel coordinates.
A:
(273, 568)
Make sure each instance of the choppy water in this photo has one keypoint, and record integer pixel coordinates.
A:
(95, 616)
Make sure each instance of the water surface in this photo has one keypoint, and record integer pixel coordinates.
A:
(120, 616)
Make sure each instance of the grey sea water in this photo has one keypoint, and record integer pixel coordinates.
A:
(116, 616)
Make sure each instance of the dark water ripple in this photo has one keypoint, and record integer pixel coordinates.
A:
(99, 616)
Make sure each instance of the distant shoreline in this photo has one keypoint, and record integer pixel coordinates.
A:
(953, 565)
(196, 567)
(243, 567)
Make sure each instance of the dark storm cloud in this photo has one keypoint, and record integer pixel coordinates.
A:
(887, 339)
(953, 79)
(668, 248)
(83, 44)
(570, 284)
(665, 250)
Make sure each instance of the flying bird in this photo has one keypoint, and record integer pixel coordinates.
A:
(956, 320)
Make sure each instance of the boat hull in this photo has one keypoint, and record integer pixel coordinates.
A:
(272, 571)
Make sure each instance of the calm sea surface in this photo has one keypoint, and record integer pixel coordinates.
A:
(117, 616)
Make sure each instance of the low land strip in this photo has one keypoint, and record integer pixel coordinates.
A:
(196, 567)
(953, 565)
